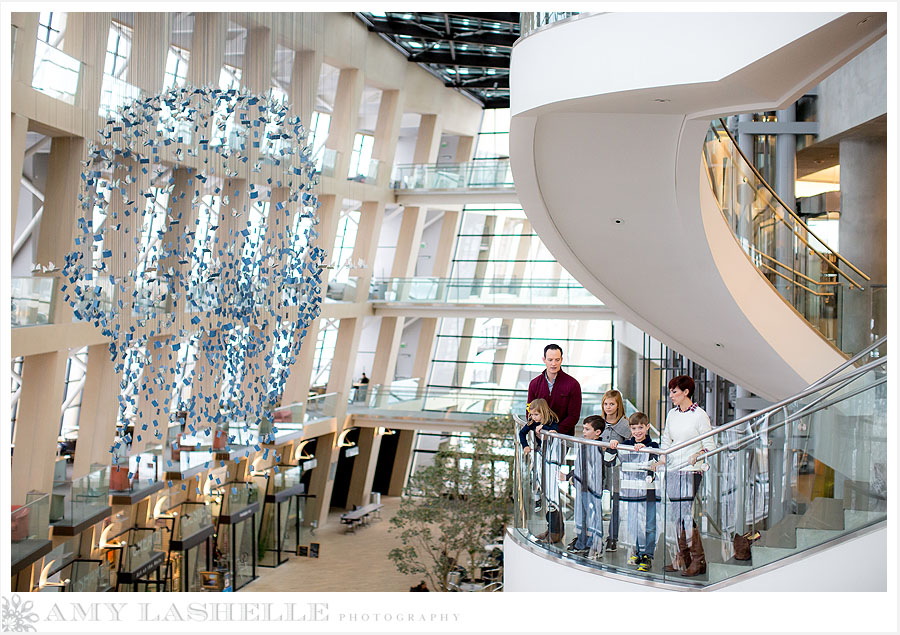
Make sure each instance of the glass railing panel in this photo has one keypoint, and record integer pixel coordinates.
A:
(29, 526)
(32, 301)
(140, 549)
(415, 395)
(55, 73)
(534, 20)
(90, 494)
(90, 576)
(116, 94)
(342, 291)
(320, 407)
(237, 496)
(779, 484)
(192, 518)
(480, 173)
(327, 162)
(481, 291)
(366, 173)
(809, 275)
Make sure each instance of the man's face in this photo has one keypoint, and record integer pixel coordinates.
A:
(553, 361)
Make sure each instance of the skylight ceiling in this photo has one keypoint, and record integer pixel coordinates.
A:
(468, 51)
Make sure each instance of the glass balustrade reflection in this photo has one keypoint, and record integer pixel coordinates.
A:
(191, 519)
(766, 488)
(32, 301)
(327, 161)
(366, 173)
(140, 549)
(29, 526)
(90, 576)
(78, 500)
(480, 173)
(55, 73)
(414, 395)
(481, 291)
(531, 21)
(810, 276)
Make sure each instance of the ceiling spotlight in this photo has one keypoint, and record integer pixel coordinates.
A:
(718, 345)
(662, 101)
(863, 21)
(618, 221)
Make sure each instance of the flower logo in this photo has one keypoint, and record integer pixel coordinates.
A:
(18, 616)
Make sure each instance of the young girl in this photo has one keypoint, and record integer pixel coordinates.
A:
(546, 468)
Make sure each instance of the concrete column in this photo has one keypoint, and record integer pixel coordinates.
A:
(258, 55)
(402, 462)
(149, 51)
(863, 231)
(363, 473)
(18, 144)
(428, 141)
(61, 206)
(785, 177)
(86, 38)
(26, 34)
(344, 118)
(442, 259)
(99, 409)
(207, 48)
(37, 424)
(305, 83)
(322, 480)
(390, 334)
(465, 148)
(386, 130)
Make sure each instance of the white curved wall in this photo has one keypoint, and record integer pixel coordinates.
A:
(847, 566)
(590, 145)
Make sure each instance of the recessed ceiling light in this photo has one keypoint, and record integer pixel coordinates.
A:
(718, 345)
(618, 221)
(662, 101)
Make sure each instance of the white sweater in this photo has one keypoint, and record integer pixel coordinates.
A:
(683, 426)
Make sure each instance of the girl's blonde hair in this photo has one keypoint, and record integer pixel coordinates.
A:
(620, 405)
(547, 415)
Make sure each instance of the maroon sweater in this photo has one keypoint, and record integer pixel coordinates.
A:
(565, 400)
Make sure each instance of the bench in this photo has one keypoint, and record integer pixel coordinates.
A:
(360, 516)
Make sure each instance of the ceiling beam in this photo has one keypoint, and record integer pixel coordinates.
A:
(510, 18)
(396, 27)
(487, 81)
(460, 59)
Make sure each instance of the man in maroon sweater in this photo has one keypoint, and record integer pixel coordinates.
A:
(561, 390)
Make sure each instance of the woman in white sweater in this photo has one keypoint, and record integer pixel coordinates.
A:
(685, 421)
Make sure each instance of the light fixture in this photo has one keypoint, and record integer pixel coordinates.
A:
(342, 440)
(618, 221)
(42, 580)
(662, 101)
(719, 345)
(104, 539)
(299, 453)
(386, 431)
(158, 508)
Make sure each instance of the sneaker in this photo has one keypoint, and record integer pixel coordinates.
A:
(572, 543)
(634, 560)
(611, 544)
(645, 563)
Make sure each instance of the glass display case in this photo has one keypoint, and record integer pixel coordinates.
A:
(190, 546)
(279, 524)
(140, 561)
(236, 539)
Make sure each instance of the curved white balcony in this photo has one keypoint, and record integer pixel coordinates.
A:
(609, 117)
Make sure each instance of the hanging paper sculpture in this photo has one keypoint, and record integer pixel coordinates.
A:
(195, 256)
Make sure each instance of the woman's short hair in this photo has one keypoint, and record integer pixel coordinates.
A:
(683, 382)
(620, 405)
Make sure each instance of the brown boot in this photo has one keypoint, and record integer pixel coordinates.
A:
(683, 557)
(698, 558)
(543, 535)
(556, 537)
